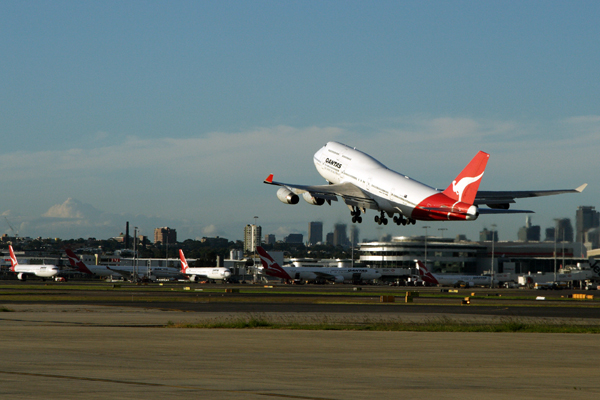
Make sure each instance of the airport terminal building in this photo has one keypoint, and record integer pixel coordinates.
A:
(446, 255)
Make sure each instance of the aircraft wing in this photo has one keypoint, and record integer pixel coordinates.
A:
(350, 192)
(122, 272)
(502, 199)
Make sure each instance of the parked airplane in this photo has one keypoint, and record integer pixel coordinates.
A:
(43, 271)
(451, 279)
(339, 275)
(126, 272)
(365, 183)
(194, 274)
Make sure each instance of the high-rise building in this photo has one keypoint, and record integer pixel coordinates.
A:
(294, 238)
(529, 233)
(252, 234)
(270, 239)
(165, 235)
(339, 235)
(586, 218)
(564, 232)
(329, 239)
(315, 233)
(487, 236)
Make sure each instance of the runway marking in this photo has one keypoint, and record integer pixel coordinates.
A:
(244, 392)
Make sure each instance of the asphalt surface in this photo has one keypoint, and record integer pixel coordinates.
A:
(107, 347)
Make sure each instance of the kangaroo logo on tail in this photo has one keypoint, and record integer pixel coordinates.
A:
(76, 262)
(184, 264)
(425, 274)
(13, 259)
(464, 187)
(270, 265)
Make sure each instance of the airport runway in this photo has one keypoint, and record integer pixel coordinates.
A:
(123, 351)
(59, 355)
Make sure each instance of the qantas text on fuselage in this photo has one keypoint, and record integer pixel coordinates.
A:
(364, 183)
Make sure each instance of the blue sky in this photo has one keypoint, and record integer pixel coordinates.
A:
(172, 113)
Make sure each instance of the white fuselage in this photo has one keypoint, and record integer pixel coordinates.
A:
(470, 280)
(219, 273)
(43, 271)
(331, 273)
(392, 191)
(128, 270)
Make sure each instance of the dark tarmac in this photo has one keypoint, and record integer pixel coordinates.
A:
(108, 348)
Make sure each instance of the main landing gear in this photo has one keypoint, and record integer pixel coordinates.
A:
(381, 219)
(356, 215)
(400, 220)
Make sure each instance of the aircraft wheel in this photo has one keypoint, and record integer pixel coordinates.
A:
(359, 219)
(353, 220)
(377, 219)
(385, 221)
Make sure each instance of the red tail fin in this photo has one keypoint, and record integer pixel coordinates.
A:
(270, 265)
(13, 259)
(464, 187)
(76, 262)
(425, 274)
(184, 264)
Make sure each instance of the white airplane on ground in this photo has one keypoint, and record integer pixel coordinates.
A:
(194, 274)
(365, 183)
(339, 275)
(43, 271)
(451, 279)
(124, 271)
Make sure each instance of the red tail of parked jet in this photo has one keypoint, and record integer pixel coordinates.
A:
(425, 275)
(77, 263)
(270, 265)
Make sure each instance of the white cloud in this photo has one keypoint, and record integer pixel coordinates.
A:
(212, 184)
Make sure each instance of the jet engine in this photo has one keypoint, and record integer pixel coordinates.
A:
(287, 197)
(338, 279)
(193, 278)
(317, 201)
(21, 276)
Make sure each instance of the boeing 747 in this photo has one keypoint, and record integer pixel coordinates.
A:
(365, 183)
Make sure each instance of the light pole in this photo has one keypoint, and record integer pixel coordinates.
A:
(254, 244)
(135, 228)
(493, 266)
(555, 236)
(442, 229)
(426, 227)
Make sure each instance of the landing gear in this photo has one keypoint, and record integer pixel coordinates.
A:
(401, 220)
(381, 219)
(356, 215)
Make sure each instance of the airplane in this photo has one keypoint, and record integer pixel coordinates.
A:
(451, 279)
(193, 274)
(124, 271)
(365, 183)
(43, 271)
(338, 275)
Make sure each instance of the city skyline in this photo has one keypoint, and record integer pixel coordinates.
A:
(173, 114)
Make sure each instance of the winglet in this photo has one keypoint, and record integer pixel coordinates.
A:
(269, 179)
(580, 188)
